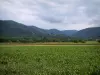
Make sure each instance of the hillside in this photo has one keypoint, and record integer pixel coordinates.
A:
(14, 29)
(69, 32)
(93, 32)
(10, 28)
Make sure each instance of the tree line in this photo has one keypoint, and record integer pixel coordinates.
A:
(42, 39)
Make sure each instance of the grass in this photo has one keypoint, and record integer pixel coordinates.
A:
(53, 43)
(49, 60)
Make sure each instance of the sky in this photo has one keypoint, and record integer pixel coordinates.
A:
(52, 14)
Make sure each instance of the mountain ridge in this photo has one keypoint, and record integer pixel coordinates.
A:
(15, 29)
(93, 32)
(28, 29)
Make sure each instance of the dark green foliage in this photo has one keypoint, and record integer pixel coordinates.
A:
(79, 41)
(98, 40)
(82, 41)
(75, 41)
(40, 39)
(89, 33)
(33, 39)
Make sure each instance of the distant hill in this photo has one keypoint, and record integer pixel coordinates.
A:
(93, 32)
(54, 32)
(69, 32)
(65, 32)
(14, 29)
(9, 28)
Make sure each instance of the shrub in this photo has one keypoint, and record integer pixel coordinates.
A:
(82, 41)
(75, 41)
(98, 40)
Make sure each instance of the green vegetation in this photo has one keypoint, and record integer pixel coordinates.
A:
(43, 39)
(98, 40)
(9, 28)
(38, 39)
(49, 60)
(11, 31)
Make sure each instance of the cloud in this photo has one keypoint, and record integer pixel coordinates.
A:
(47, 14)
(93, 11)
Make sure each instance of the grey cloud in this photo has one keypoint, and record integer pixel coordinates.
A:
(93, 11)
(48, 14)
(52, 19)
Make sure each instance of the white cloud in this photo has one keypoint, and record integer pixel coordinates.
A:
(47, 14)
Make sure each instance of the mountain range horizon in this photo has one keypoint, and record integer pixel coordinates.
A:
(50, 28)
(15, 29)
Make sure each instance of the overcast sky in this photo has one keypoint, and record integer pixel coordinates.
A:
(47, 14)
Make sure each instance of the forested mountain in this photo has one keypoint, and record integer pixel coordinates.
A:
(69, 32)
(10, 28)
(93, 32)
(14, 29)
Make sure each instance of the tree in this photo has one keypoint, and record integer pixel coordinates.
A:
(82, 41)
(75, 41)
(98, 40)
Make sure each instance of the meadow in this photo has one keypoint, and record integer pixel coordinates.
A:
(49, 60)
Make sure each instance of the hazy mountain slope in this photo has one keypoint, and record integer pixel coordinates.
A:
(69, 32)
(11, 28)
(64, 32)
(54, 31)
(14, 29)
(93, 32)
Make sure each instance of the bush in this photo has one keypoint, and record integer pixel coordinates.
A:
(82, 41)
(75, 41)
(98, 40)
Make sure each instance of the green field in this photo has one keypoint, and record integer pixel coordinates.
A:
(49, 60)
(53, 43)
